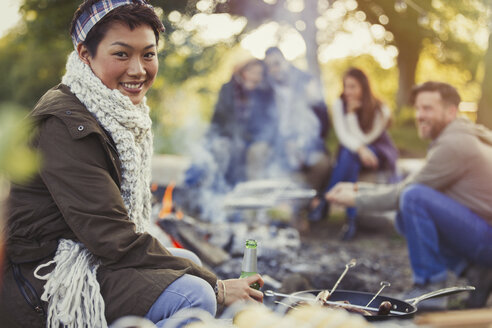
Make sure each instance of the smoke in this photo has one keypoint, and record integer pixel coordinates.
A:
(274, 135)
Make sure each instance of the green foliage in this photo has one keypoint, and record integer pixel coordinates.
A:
(17, 160)
(384, 82)
(31, 69)
(32, 58)
(485, 104)
(450, 27)
(404, 134)
(463, 80)
(48, 20)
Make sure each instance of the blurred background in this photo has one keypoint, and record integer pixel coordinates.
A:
(397, 42)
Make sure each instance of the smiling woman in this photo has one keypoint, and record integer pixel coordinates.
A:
(78, 252)
(126, 60)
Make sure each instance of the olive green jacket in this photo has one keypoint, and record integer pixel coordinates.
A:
(76, 195)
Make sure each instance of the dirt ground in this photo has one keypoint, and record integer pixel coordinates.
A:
(380, 252)
(381, 255)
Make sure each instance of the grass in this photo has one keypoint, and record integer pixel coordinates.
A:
(407, 141)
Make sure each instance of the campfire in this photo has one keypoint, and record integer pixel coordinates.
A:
(167, 205)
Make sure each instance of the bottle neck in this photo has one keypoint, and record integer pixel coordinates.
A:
(249, 260)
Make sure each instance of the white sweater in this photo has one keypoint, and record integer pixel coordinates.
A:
(347, 128)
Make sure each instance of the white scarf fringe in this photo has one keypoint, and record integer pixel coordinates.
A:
(72, 290)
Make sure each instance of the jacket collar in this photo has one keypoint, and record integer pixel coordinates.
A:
(62, 103)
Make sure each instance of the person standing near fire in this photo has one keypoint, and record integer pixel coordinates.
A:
(243, 125)
(239, 143)
(78, 254)
(360, 121)
(303, 121)
(444, 209)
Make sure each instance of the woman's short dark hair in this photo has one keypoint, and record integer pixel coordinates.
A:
(133, 15)
(448, 93)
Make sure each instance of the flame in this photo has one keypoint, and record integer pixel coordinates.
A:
(167, 201)
(168, 207)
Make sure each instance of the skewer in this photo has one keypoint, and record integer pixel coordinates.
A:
(344, 305)
(383, 285)
(286, 305)
(347, 267)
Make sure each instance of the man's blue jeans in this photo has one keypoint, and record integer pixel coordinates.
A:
(347, 169)
(188, 291)
(441, 234)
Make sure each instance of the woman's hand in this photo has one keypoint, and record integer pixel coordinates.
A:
(353, 105)
(239, 290)
(343, 193)
(367, 157)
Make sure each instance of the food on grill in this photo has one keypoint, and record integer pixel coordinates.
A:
(350, 308)
(384, 308)
(324, 295)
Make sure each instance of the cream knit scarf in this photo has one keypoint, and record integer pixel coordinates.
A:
(71, 289)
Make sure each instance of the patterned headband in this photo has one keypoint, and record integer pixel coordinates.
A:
(96, 12)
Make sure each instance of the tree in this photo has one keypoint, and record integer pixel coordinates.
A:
(435, 24)
(485, 103)
(33, 57)
(412, 26)
(33, 60)
(258, 12)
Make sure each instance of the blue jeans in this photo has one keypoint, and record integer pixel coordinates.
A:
(441, 234)
(181, 252)
(188, 291)
(347, 169)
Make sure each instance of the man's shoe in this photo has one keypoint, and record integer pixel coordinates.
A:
(319, 212)
(481, 279)
(349, 229)
(433, 304)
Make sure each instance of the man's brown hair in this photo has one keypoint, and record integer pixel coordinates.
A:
(448, 93)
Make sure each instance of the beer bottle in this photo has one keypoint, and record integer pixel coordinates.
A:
(249, 267)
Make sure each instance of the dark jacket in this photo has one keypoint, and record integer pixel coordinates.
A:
(76, 195)
(247, 115)
(243, 118)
